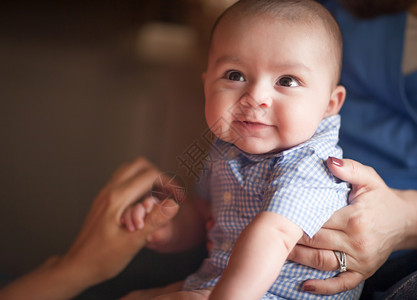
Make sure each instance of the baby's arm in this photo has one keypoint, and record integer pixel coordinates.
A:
(257, 257)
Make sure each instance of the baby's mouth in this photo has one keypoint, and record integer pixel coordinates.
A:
(252, 125)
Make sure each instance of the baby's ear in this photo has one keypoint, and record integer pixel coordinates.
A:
(336, 100)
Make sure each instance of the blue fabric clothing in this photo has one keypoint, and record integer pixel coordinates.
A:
(294, 183)
(405, 289)
(379, 116)
(390, 276)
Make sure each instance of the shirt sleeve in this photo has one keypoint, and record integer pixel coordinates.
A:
(303, 190)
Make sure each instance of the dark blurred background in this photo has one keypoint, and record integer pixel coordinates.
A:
(84, 87)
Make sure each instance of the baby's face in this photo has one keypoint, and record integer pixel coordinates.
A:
(268, 83)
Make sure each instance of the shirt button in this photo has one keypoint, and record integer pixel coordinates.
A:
(226, 246)
(232, 153)
(227, 197)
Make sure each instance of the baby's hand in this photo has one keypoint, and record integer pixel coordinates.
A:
(134, 216)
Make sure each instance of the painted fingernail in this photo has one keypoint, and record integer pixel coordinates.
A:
(309, 288)
(336, 161)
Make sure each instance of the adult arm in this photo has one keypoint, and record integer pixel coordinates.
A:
(103, 248)
(378, 221)
(257, 257)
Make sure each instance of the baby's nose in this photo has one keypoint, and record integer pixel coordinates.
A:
(257, 95)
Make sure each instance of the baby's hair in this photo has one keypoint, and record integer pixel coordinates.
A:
(306, 11)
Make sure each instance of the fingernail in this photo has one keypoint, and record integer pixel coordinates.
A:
(309, 288)
(336, 161)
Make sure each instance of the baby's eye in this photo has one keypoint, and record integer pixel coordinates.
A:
(235, 76)
(288, 81)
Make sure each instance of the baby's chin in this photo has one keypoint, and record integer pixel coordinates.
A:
(257, 148)
(251, 145)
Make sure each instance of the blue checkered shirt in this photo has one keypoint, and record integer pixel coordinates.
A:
(294, 183)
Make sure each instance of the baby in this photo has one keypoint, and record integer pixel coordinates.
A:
(272, 100)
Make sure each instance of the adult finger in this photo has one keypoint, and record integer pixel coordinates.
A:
(127, 171)
(133, 189)
(320, 259)
(353, 172)
(340, 218)
(341, 283)
(327, 239)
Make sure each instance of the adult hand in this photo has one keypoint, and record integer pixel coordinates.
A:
(103, 248)
(103, 245)
(378, 221)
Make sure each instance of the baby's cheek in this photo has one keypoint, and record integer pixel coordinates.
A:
(217, 122)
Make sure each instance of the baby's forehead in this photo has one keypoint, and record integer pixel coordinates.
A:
(238, 22)
(296, 11)
(233, 18)
(307, 15)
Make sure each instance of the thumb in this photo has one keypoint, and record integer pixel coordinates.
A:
(354, 172)
(160, 215)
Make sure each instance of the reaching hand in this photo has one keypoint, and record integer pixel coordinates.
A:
(103, 247)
